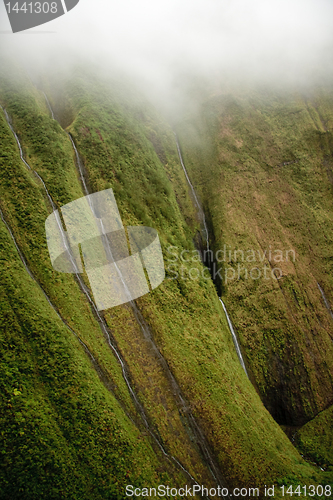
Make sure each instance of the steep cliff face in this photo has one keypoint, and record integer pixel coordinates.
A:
(68, 425)
(263, 167)
(192, 400)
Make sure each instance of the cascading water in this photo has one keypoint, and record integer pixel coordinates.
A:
(203, 219)
(327, 304)
(199, 436)
(24, 262)
(234, 337)
(49, 106)
(16, 138)
(200, 210)
(148, 337)
(83, 287)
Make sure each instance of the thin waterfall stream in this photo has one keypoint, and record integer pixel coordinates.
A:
(185, 407)
(327, 304)
(101, 320)
(204, 223)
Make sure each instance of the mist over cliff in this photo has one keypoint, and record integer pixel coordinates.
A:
(174, 48)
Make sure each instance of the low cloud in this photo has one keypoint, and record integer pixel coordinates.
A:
(165, 44)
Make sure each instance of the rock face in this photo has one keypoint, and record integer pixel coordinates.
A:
(263, 167)
(152, 392)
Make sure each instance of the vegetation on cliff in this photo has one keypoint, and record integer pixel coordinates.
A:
(89, 430)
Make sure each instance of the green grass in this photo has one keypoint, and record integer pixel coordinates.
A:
(63, 435)
(315, 439)
(126, 146)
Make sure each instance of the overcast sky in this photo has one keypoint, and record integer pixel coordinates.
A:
(278, 40)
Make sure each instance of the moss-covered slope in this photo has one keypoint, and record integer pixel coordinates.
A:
(124, 145)
(315, 439)
(262, 164)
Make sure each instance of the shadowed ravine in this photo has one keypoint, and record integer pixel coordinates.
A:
(202, 219)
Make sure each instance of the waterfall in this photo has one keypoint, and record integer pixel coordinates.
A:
(203, 219)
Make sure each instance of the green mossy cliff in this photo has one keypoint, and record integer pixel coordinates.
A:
(91, 427)
(262, 164)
